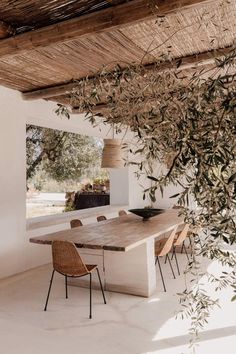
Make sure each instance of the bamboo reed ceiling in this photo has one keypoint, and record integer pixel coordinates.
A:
(181, 33)
(25, 15)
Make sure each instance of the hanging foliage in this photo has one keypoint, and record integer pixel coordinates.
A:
(186, 121)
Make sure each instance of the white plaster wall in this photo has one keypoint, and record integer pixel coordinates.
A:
(16, 253)
(165, 202)
(136, 187)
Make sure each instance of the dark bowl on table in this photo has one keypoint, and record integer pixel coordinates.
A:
(147, 213)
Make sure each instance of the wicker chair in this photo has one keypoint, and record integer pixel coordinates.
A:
(179, 240)
(67, 261)
(75, 223)
(101, 218)
(192, 235)
(122, 212)
(162, 248)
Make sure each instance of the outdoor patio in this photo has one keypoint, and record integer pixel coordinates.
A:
(150, 88)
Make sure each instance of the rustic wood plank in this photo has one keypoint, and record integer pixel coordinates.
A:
(188, 62)
(99, 108)
(96, 22)
(119, 234)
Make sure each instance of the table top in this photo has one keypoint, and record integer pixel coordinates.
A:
(118, 234)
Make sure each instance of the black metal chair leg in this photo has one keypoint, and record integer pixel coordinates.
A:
(66, 286)
(157, 260)
(182, 248)
(191, 245)
(171, 266)
(176, 261)
(103, 294)
(186, 251)
(199, 239)
(49, 290)
(90, 296)
(173, 250)
(165, 259)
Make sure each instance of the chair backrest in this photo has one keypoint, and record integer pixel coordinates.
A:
(75, 223)
(101, 218)
(122, 212)
(182, 235)
(169, 242)
(66, 259)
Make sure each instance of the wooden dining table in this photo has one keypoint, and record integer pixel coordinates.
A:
(122, 247)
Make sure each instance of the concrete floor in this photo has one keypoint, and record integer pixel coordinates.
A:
(126, 325)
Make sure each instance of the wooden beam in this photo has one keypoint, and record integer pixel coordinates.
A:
(188, 62)
(49, 92)
(97, 22)
(99, 108)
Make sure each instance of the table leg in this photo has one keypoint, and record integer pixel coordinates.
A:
(131, 272)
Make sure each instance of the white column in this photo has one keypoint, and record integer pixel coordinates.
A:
(12, 185)
(119, 186)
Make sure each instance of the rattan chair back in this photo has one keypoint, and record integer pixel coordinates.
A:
(75, 223)
(66, 259)
(182, 235)
(122, 212)
(168, 244)
(101, 218)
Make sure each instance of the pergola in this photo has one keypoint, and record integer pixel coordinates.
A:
(47, 49)
(47, 46)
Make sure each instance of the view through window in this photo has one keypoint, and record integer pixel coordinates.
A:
(63, 172)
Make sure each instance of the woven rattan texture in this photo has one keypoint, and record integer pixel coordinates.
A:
(75, 223)
(66, 259)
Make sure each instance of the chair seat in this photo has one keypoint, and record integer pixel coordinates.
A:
(78, 272)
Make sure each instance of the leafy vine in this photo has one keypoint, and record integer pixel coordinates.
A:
(186, 121)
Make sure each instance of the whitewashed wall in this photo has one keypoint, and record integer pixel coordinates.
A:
(16, 253)
(12, 185)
